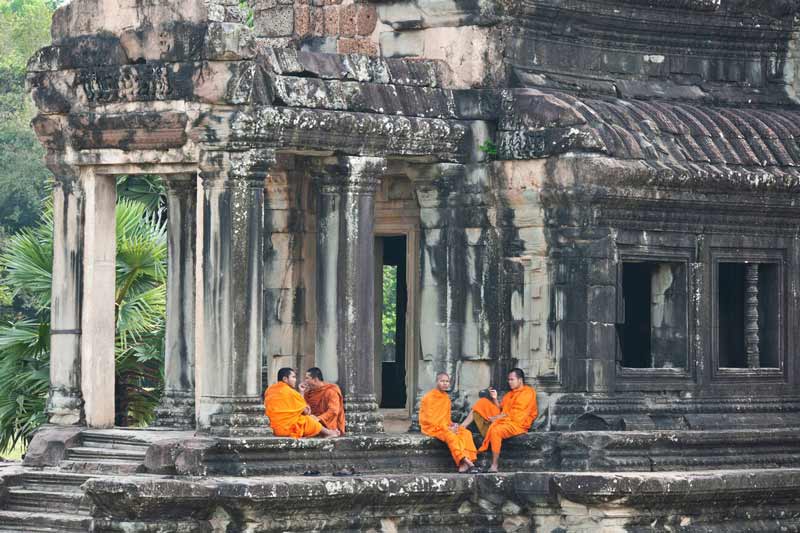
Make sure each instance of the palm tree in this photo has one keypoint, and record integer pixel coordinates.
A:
(140, 307)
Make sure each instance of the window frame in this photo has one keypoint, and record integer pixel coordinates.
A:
(774, 256)
(631, 378)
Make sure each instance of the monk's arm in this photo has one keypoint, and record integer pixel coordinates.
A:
(467, 421)
(331, 414)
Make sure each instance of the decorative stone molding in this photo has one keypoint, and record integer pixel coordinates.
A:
(352, 133)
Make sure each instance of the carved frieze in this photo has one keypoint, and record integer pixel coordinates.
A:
(129, 83)
(353, 133)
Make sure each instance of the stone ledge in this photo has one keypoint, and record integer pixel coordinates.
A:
(547, 501)
(533, 452)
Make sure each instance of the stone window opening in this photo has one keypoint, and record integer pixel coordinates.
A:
(748, 321)
(652, 315)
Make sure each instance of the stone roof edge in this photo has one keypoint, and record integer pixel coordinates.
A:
(597, 171)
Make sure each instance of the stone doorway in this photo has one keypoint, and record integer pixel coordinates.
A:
(392, 302)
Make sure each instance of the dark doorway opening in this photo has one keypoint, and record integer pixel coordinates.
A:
(634, 333)
(393, 322)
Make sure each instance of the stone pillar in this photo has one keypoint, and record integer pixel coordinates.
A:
(751, 315)
(327, 336)
(65, 401)
(345, 288)
(177, 404)
(233, 240)
(98, 311)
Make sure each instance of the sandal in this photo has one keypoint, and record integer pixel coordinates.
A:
(346, 471)
(311, 473)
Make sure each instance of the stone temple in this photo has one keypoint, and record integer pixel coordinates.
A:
(601, 192)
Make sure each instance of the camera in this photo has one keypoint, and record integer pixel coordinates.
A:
(484, 393)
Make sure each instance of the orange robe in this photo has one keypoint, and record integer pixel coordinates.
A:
(327, 404)
(435, 419)
(520, 409)
(486, 408)
(284, 406)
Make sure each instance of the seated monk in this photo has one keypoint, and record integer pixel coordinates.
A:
(324, 399)
(435, 421)
(482, 413)
(518, 411)
(289, 414)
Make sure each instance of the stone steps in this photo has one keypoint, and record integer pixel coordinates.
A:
(106, 454)
(107, 467)
(43, 521)
(53, 481)
(115, 441)
(86, 453)
(25, 500)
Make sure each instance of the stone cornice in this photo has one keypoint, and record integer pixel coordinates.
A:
(309, 130)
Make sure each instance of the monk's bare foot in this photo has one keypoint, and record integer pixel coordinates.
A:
(493, 469)
(330, 433)
(463, 467)
(469, 463)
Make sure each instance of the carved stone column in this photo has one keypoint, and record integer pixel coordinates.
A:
(229, 379)
(65, 401)
(751, 315)
(345, 288)
(177, 404)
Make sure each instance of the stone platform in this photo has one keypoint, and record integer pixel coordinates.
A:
(170, 481)
(533, 452)
(715, 501)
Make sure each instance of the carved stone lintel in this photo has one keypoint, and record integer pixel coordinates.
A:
(751, 315)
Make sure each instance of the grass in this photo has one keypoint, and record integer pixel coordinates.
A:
(14, 454)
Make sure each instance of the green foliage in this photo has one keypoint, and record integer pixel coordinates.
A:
(389, 308)
(488, 147)
(145, 189)
(24, 28)
(140, 308)
(244, 5)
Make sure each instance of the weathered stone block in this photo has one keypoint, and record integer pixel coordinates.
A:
(50, 444)
(275, 22)
(366, 19)
(317, 21)
(227, 41)
(405, 44)
(90, 17)
(347, 20)
(302, 20)
(331, 20)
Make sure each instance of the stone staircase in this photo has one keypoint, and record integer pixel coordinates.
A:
(103, 453)
(52, 499)
(45, 500)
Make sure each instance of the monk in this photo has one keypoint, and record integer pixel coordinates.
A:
(435, 421)
(481, 414)
(324, 399)
(289, 414)
(517, 412)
